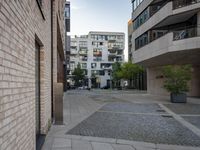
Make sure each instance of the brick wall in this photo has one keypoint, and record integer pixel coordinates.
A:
(20, 22)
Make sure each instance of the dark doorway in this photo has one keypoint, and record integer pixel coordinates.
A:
(39, 136)
(37, 89)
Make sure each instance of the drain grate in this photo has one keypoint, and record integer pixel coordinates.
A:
(167, 116)
(160, 110)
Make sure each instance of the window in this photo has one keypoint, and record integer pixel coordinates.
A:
(136, 3)
(84, 66)
(141, 41)
(93, 65)
(67, 11)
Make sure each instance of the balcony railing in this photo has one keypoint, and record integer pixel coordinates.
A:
(182, 3)
(185, 33)
(83, 52)
(178, 34)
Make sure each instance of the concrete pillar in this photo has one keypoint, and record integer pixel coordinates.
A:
(58, 104)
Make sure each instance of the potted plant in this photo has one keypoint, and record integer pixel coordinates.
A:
(176, 82)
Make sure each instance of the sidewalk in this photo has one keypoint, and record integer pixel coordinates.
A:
(80, 105)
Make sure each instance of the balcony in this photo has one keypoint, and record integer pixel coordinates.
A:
(182, 3)
(185, 33)
(181, 45)
(173, 12)
(73, 52)
(83, 52)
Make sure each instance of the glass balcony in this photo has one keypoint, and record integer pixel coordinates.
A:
(182, 3)
(185, 33)
(178, 34)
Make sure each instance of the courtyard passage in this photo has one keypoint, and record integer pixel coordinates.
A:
(125, 120)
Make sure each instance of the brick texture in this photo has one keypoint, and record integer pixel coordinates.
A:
(20, 22)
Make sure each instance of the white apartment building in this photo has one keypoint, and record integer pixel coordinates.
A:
(96, 52)
(165, 32)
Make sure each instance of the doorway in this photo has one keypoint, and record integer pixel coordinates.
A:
(37, 92)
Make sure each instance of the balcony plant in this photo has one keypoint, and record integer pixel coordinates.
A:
(176, 82)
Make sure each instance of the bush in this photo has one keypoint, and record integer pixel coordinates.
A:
(177, 78)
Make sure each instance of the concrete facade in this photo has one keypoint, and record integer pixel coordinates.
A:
(26, 74)
(96, 52)
(166, 33)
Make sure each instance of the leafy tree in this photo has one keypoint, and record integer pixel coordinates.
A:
(116, 68)
(78, 75)
(125, 71)
(177, 78)
(130, 70)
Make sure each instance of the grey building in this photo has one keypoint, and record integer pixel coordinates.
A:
(96, 52)
(166, 32)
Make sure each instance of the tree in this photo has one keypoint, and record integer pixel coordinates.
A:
(116, 73)
(129, 71)
(78, 75)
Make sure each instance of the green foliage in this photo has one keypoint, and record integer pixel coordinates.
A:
(177, 78)
(78, 75)
(130, 70)
(125, 71)
(116, 69)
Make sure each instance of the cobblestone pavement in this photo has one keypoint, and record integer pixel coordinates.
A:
(136, 121)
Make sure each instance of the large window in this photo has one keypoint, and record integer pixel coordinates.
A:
(142, 18)
(136, 3)
(148, 12)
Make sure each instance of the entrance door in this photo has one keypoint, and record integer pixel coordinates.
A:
(37, 89)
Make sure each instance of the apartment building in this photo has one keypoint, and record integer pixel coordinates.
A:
(96, 52)
(166, 32)
(31, 70)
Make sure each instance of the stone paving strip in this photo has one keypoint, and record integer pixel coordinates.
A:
(73, 142)
(131, 125)
(180, 119)
(150, 114)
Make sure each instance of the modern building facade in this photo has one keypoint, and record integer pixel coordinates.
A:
(166, 32)
(96, 52)
(31, 68)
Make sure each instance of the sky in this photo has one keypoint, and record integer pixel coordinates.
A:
(100, 15)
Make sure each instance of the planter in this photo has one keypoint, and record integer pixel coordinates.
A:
(178, 98)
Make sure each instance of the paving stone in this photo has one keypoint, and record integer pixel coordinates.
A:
(175, 147)
(101, 146)
(137, 144)
(146, 128)
(60, 149)
(122, 147)
(133, 108)
(143, 148)
(184, 108)
(81, 145)
(99, 139)
(193, 120)
(61, 143)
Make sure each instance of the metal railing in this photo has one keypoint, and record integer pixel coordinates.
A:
(182, 3)
(178, 34)
(185, 33)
